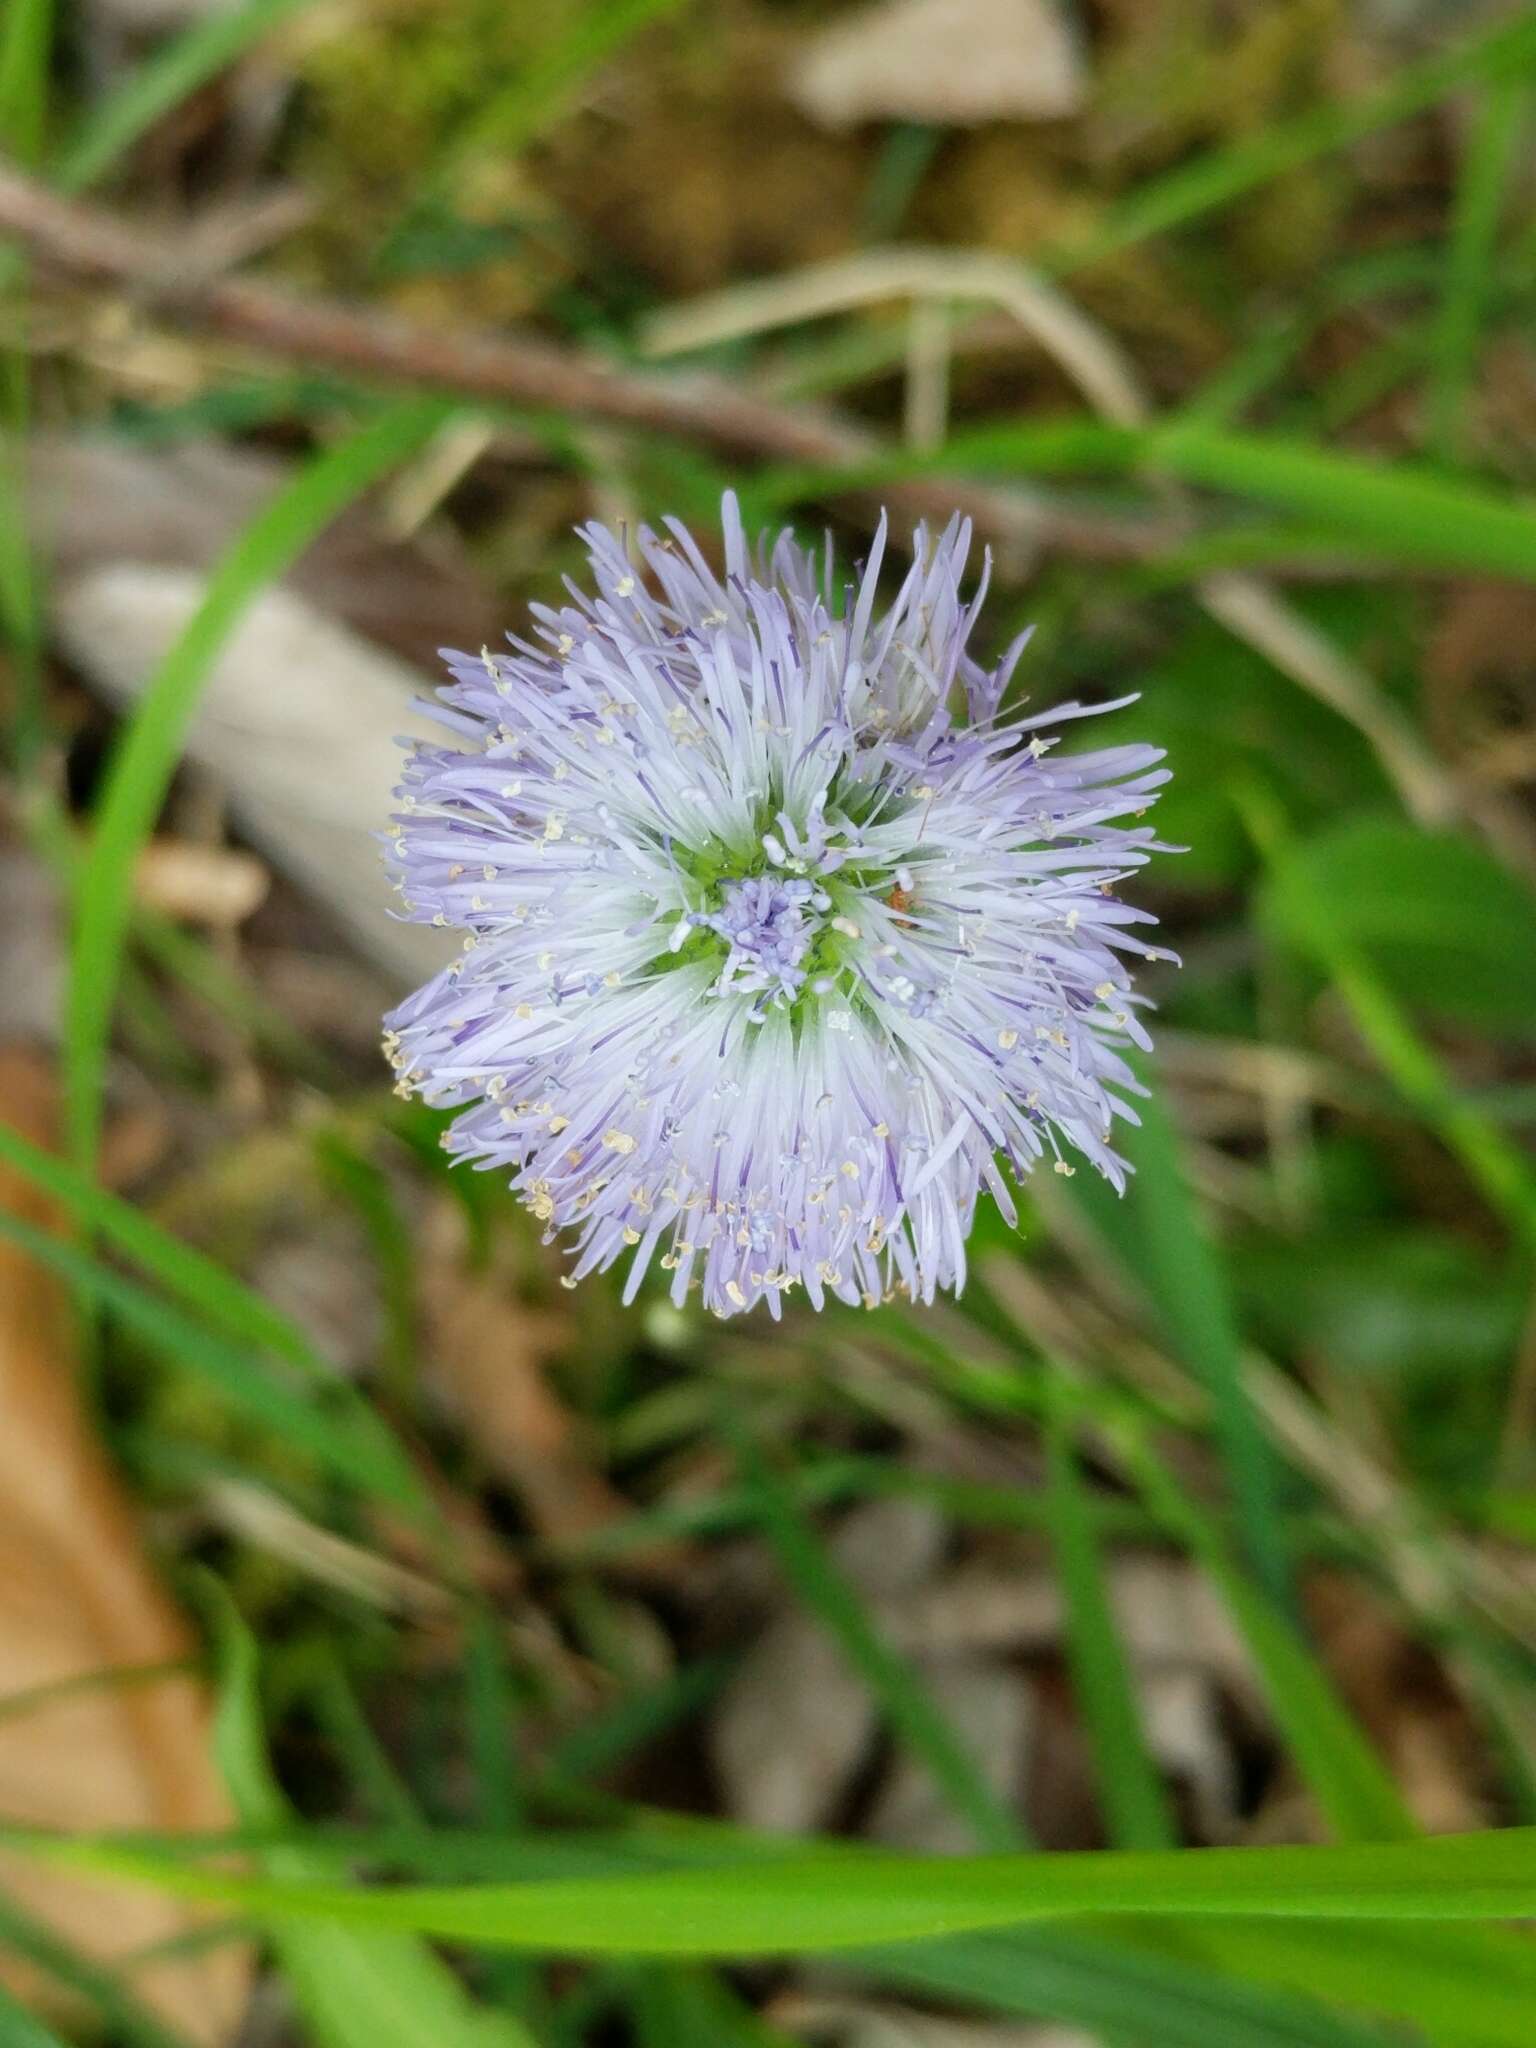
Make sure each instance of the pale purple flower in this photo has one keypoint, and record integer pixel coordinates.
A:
(781, 938)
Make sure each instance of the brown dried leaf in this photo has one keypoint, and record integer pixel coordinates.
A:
(32, 983)
(300, 716)
(491, 1355)
(1168, 1614)
(1480, 672)
(78, 1598)
(1404, 1702)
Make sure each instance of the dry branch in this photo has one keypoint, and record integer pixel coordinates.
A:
(87, 245)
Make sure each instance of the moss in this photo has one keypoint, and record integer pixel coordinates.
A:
(383, 108)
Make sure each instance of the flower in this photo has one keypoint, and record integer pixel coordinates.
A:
(772, 955)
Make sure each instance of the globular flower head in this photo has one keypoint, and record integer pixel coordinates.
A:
(781, 939)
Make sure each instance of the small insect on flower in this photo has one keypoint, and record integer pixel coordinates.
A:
(780, 937)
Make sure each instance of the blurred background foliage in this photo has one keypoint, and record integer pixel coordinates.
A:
(1204, 1518)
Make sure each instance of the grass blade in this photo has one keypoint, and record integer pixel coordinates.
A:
(355, 1990)
(351, 1443)
(1469, 256)
(676, 2007)
(1493, 1162)
(147, 754)
(806, 1904)
(1086, 1981)
(1190, 1980)
(202, 1283)
(1392, 513)
(818, 1582)
(217, 1297)
(1350, 1783)
(1134, 1797)
(1161, 1240)
(1425, 518)
(86, 1981)
(174, 71)
(1461, 1987)
(20, 2029)
(1214, 180)
(26, 48)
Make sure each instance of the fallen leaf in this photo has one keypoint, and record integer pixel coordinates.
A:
(954, 62)
(1480, 680)
(212, 885)
(796, 1722)
(990, 1706)
(95, 502)
(298, 720)
(1404, 1702)
(1168, 1614)
(791, 1729)
(1181, 1713)
(77, 1599)
(32, 985)
(300, 716)
(490, 1356)
(1186, 1661)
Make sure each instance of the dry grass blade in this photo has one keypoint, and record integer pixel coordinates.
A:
(1244, 604)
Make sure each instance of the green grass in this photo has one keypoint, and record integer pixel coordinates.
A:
(345, 1437)
(354, 1990)
(1217, 178)
(176, 69)
(1312, 921)
(1392, 517)
(20, 2029)
(91, 1986)
(1156, 1233)
(26, 42)
(1135, 1799)
(813, 1575)
(1349, 1781)
(820, 1904)
(1470, 251)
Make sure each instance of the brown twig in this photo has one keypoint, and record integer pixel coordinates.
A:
(91, 246)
